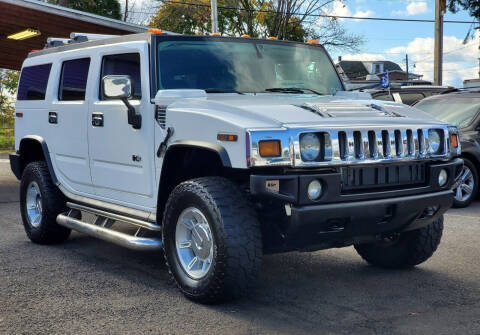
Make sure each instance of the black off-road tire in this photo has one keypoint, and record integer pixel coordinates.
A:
(473, 196)
(406, 250)
(53, 203)
(237, 251)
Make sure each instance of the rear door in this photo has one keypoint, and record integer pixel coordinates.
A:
(67, 123)
(121, 158)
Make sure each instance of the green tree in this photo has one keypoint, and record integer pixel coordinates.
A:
(284, 19)
(108, 8)
(472, 6)
(8, 89)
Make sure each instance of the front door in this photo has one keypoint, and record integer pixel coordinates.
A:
(121, 158)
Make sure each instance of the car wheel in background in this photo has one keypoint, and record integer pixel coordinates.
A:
(467, 190)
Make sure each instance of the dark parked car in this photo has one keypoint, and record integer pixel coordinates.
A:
(461, 108)
(408, 95)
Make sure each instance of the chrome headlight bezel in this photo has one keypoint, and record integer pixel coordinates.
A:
(310, 147)
(453, 130)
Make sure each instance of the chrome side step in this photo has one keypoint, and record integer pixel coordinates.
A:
(116, 217)
(102, 228)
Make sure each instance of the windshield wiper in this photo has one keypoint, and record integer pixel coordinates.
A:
(221, 90)
(291, 90)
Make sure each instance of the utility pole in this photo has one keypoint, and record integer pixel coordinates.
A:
(126, 11)
(440, 7)
(406, 61)
(214, 16)
(478, 28)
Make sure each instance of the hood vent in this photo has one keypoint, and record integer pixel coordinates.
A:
(348, 110)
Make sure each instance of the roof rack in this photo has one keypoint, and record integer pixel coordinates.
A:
(53, 42)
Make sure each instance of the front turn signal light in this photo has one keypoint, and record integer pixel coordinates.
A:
(270, 148)
(454, 140)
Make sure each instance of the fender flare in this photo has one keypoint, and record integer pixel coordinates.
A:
(222, 153)
(46, 154)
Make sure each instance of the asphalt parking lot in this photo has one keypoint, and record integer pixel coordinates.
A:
(87, 286)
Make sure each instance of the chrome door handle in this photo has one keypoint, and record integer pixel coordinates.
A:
(97, 120)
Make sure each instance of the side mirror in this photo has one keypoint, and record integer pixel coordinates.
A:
(117, 87)
(120, 87)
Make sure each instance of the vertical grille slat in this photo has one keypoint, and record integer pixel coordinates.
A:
(404, 145)
(379, 144)
(392, 146)
(366, 145)
(350, 147)
(416, 147)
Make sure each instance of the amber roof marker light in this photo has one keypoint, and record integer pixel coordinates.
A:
(155, 31)
(24, 34)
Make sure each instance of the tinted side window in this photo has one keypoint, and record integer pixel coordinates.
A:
(73, 80)
(123, 64)
(411, 98)
(33, 82)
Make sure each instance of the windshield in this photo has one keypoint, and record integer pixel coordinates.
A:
(456, 111)
(224, 65)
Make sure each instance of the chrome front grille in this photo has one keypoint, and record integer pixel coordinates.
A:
(348, 146)
(379, 144)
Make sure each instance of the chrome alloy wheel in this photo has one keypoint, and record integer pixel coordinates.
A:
(194, 243)
(34, 204)
(466, 186)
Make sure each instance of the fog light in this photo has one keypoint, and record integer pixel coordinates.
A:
(442, 178)
(314, 190)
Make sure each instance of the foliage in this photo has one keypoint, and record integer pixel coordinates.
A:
(8, 88)
(108, 8)
(293, 20)
(472, 6)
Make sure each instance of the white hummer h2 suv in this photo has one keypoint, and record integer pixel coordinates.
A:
(219, 150)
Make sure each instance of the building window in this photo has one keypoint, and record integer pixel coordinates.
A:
(33, 82)
(73, 81)
(123, 64)
(377, 68)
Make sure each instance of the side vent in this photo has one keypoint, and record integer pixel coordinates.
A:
(161, 115)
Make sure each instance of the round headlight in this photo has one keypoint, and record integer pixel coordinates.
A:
(314, 190)
(442, 178)
(434, 141)
(309, 147)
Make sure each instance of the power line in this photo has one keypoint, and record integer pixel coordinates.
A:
(313, 15)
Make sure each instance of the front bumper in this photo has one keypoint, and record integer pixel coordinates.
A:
(341, 217)
(347, 223)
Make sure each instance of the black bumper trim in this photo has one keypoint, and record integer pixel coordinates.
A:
(345, 222)
(293, 187)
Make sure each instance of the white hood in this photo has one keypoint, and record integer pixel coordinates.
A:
(291, 110)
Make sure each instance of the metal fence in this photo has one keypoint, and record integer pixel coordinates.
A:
(7, 141)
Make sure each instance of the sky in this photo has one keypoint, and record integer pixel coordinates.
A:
(393, 40)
